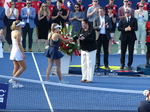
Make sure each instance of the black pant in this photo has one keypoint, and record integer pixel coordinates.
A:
(102, 40)
(26, 30)
(148, 47)
(124, 45)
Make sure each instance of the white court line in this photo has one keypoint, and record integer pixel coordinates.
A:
(39, 74)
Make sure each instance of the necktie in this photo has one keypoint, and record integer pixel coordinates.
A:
(128, 19)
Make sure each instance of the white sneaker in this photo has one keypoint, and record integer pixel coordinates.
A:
(135, 51)
(119, 51)
(19, 85)
(14, 84)
(64, 82)
(142, 52)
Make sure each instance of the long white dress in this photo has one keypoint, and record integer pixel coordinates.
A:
(15, 53)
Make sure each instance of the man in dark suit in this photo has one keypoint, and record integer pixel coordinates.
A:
(102, 26)
(127, 26)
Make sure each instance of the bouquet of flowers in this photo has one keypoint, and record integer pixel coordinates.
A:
(68, 48)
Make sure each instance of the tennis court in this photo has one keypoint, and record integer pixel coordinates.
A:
(105, 94)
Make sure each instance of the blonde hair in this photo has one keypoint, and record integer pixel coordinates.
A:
(41, 11)
(52, 26)
(13, 26)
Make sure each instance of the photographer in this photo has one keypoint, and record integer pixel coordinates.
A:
(88, 48)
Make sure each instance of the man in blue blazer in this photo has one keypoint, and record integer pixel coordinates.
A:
(28, 15)
(2, 15)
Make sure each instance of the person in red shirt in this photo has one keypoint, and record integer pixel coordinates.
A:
(148, 44)
(81, 6)
(146, 5)
(51, 8)
(111, 3)
(36, 4)
(19, 5)
(92, 4)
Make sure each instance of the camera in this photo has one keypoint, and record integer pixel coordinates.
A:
(80, 35)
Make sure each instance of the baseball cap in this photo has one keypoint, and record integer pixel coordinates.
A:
(146, 92)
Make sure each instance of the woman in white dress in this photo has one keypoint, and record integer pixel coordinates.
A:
(17, 54)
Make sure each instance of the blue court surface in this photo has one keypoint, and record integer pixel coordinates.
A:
(105, 94)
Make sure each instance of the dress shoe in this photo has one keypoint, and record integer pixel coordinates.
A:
(24, 50)
(82, 80)
(97, 67)
(107, 67)
(129, 68)
(122, 67)
(29, 50)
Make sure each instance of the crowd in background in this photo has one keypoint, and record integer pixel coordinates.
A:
(42, 15)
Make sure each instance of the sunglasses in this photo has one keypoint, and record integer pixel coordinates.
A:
(44, 6)
(125, 1)
(95, 1)
(12, 4)
(28, 3)
(76, 7)
(140, 6)
(127, 12)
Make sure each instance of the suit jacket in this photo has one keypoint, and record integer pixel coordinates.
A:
(2, 15)
(31, 16)
(121, 12)
(144, 106)
(145, 18)
(97, 23)
(130, 34)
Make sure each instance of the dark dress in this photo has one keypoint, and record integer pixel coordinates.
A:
(43, 28)
(52, 52)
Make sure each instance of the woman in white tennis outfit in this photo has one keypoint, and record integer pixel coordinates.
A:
(17, 55)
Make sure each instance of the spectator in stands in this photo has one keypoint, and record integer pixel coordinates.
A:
(19, 5)
(59, 14)
(92, 4)
(81, 6)
(67, 10)
(17, 55)
(111, 3)
(92, 12)
(2, 15)
(144, 106)
(51, 8)
(75, 18)
(36, 5)
(12, 14)
(148, 43)
(130, 5)
(142, 17)
(43, 16)
(53, 53)
(28, 14)
(102, 25)
(2, 39)
(145, 5)
(112, 31)
(121, 14)
(127, 26)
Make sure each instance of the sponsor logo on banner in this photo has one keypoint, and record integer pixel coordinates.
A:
(3, 95)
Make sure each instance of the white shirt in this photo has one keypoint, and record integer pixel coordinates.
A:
(102, 29)
(28, 10)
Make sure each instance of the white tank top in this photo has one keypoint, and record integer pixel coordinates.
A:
(15, 12)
